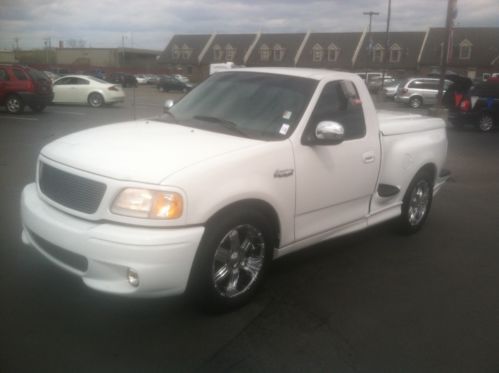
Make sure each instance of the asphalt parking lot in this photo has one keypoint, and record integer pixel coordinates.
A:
(370, 302)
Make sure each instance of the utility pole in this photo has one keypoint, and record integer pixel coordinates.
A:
(387, 40)
(451, 14)
(369, 48)
(16, 40)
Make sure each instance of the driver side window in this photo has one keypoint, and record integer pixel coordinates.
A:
(339, 102)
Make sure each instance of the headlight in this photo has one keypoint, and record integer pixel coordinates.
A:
(145, 203)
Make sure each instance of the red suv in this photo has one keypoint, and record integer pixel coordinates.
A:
(21, 86)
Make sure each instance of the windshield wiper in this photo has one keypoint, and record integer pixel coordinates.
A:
(224, 122)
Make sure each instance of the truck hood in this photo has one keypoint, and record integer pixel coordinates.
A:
(143, 151)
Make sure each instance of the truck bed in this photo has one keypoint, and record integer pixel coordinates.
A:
(396, 123)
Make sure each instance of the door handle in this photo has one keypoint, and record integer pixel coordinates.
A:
(368, 157)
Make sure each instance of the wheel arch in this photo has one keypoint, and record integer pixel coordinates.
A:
(254, 204)
(98, 91)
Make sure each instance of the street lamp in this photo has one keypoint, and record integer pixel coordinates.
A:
(369, 48)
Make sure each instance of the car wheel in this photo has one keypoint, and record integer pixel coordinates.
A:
(38, 108)
(415, 102)
(486, 122)
(417, 203)
(95, 100)
(14, 104)
(232, 260)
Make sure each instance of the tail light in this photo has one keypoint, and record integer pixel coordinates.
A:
(465, 105)
(113, 88)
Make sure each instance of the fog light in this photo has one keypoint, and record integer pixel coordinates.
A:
(133, 277)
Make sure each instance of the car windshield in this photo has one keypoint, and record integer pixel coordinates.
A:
(257, 105)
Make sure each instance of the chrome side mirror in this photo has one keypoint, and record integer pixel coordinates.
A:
(168, 105)
(330, 132)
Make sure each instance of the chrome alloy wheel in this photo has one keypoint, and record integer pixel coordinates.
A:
(238, 260)
(418, 203)
(13, 105)
(486, 123)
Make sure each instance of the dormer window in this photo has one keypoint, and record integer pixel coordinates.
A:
(186, 52)
(378, 53)
(230, 53)
(278, 52)
(175, 52)
(317, 53)
(217, 52)
(465, 49)
(333, 52)
(264, 52)
(395, 53)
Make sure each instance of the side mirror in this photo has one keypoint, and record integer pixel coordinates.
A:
(168, 105)
(329, 133)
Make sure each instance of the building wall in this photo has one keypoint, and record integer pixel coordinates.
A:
(7, 57)
(87, 57)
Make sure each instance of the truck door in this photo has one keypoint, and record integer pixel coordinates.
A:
(334, 183)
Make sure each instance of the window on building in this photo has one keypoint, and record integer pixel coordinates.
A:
(378, 53)
(333, 52)
(175, 52)
(395, 53)
(217, 53)
(278, 52)
(186, 52)
(230, 52)
(317, 53)
(465, 49)
(264, 52)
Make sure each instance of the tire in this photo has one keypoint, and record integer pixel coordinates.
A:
(232, 260)
(485, 123)
(14, 104)
(417, 203)
(38, 108)
(95, 100)
(416, 102)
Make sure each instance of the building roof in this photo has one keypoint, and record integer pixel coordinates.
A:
(409, 44)
(184, 49)
(484, 43)
(288, 43)
(240, 43)
(344, 42)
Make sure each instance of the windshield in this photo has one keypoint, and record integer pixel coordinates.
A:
(258, 105)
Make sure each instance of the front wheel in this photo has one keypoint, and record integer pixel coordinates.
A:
(417, 203)
(95, 100)
(232, 260)
(486, 122)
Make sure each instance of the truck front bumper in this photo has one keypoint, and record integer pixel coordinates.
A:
(126, 260)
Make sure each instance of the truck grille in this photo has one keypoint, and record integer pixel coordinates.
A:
(75, 192)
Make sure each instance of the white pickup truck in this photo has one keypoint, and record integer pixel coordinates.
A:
(251, 165)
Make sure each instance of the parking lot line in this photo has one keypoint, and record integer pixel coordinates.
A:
(16, 117)
(65, 112)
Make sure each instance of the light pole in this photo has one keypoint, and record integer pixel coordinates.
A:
(369, 48)
(387, 39)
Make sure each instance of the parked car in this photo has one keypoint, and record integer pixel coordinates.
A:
(141, 78)
(152, 78)
(374, 85)
(126, 80)
(21, 86)
(241, 175)
(170, 83)
(478, 107)
(419, 91)
(390, 89)
(83, 89)
(52, 76)
(181, 77)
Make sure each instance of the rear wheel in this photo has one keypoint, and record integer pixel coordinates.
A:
(95, 100)
(415, 102)
(14, 104)
(417, 203)
(486, 122)
(232, 260)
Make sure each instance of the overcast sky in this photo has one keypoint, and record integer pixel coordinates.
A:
(150, 23)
